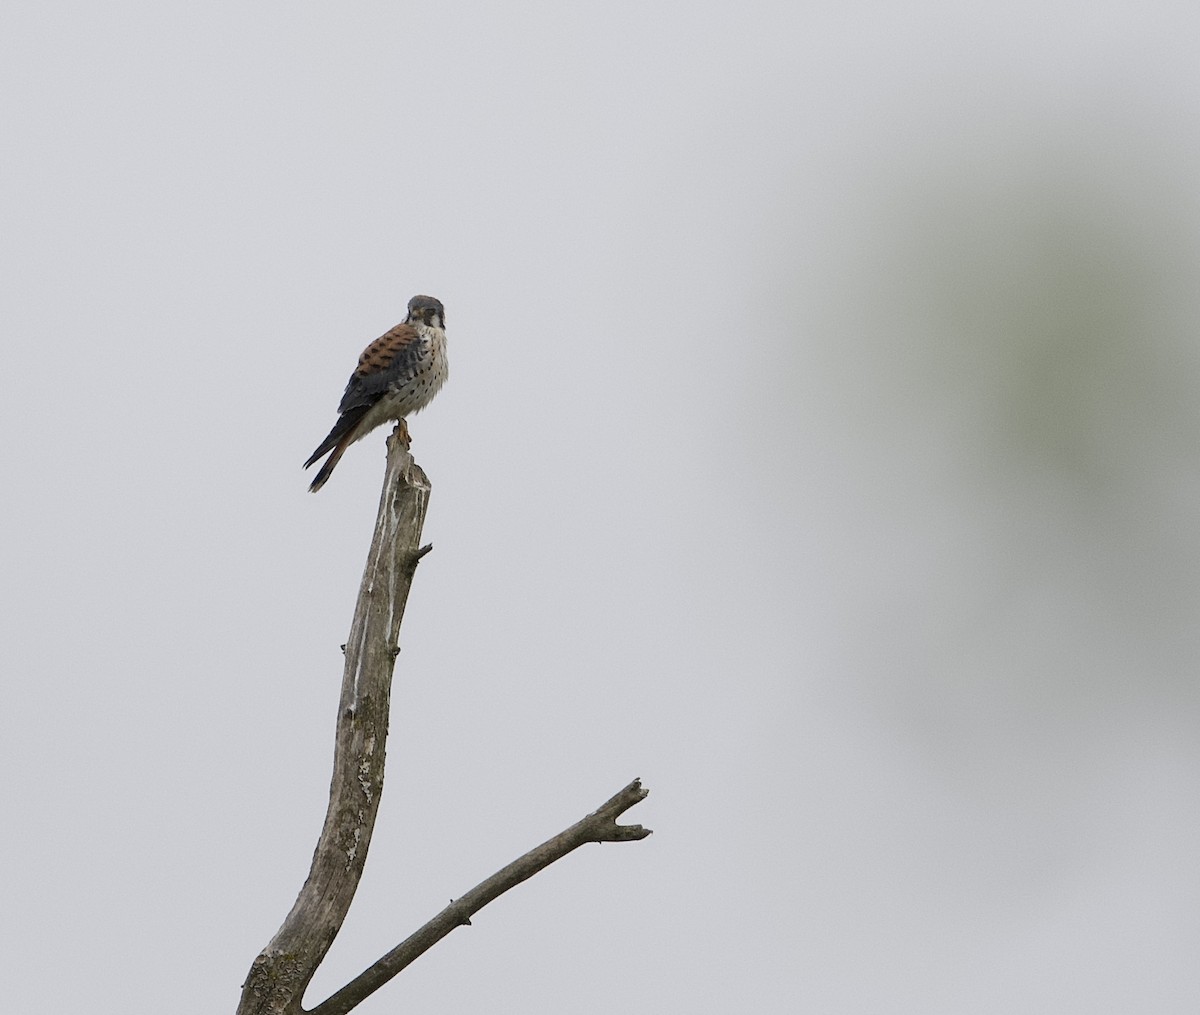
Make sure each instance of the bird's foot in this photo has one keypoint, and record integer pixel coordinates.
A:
(405, 436)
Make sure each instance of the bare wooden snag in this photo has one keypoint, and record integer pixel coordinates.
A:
(280, 975)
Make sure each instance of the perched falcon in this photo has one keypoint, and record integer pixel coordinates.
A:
(397, 375)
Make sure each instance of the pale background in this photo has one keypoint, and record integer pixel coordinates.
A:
(822, 446)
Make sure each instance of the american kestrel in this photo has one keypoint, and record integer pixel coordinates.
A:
(397, 375)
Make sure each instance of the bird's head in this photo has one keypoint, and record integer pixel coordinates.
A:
(426, 310)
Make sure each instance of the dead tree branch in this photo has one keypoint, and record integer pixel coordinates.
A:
(599, 826)
(283, 971)
(279, 976)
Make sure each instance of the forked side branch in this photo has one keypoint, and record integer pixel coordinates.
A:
(599, 826)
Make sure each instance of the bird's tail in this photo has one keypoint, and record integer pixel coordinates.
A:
(339, 439)
(326, 470)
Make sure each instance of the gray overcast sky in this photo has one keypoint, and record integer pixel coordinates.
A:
(820, 446)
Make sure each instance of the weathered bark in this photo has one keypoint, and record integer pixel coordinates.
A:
(281, 973)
